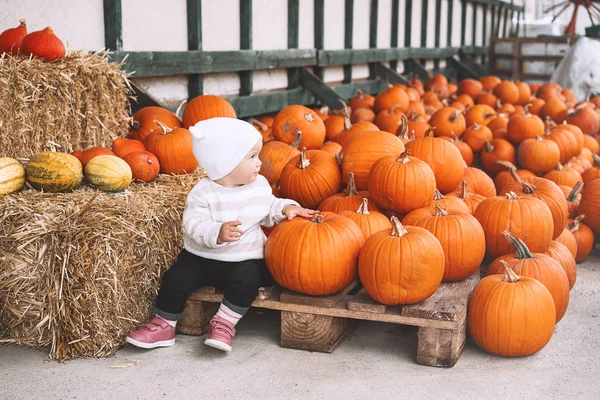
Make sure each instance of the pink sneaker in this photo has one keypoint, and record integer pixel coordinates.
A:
(220, 334)
(156, 333)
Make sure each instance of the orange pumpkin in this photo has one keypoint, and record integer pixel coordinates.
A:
(274, 156)
(43, 44)
(527, 217)
(590, 204)
(489, 82)
(122, 147)
(11, 39)
(144, 123)
(86, 155)
(573, 199)
(472, 200)
(504, 177)
(349, 200)
(343, 137)
(521, 127)
(564, 176)
(495, 151)
(392, 96)
(476, 136)
(568, 239)
(322, 258)
(402, 265)
(369, 222)
(448, 121)
(144, 165)
(538, 266)
(507, 92)
(538, 155)
(173, 148)
(479, 182)
(480, 114)
(561, 253)
(296, 118)
(470, 87)
(511, 316)
(449, 202)
(310, 177)
(205, 107)
(362, 100)
(460, 235)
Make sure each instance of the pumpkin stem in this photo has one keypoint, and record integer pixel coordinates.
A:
(489, 147)
(511, 196)
(346, 114)
(509, 274)
(179, 109)
(574, 226)
(528, 188)
(296, 143)
(476, 127)
(393, 108)
(309, 117)
(596, 158)
(304, 162)
(454, 138)
(539, 138)
(317, 218)
(256, 122)
(454, 116)
(351, 189)
(437, 195)
(559, 167)
(429, 130)
(440, 212)
(134, 125)
(507, 164)
(572, 197)
(397, 228)
(165, 129)
(403, 127)
(403, 159)
(518, 245)
(339, 157)
(364, 207)
(415, 117)
(526, 107)
(22, 23)
(464, 192)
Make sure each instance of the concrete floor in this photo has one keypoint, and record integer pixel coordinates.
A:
(375, 361)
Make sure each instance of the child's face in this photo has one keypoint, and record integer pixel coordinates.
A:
(247, 170)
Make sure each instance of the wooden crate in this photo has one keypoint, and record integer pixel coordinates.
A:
(319, 323)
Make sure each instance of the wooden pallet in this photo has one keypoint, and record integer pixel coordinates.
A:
(319, 323)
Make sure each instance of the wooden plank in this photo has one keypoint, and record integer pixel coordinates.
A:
(484, 30)
(290, 297)
(408, 23)
(373, 35)
(474, 25)
(312, 332)
(194, 27)
(497, 3)
(245, 44)
(449, 31)
(361, 301)
(466, 60)
(319, 32)
(438, 29)
(415, 67)
(325, 94)
(196, 318)
(293, 38)
(394, 33)
(363, 56)
(462, 70)
(505, 24)
(441, 347)
(148, 63)
(448, 303)
(424, 24)
(113, 25)
(389, 75)
(463, 22)
(348, 36)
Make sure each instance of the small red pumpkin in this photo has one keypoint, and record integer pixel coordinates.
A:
(144, 165)
(11, 39)
(43, 44)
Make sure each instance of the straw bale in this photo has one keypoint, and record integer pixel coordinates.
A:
(77, 102)
(79, 270)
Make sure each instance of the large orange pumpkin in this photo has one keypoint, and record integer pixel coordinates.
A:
(205, 107)
(310, 177)
(495, 151)
(322, 258)
(460, 235)
(413, 183)
(590, 204)
(562, 254)
(479, 182)
(274, 156)
(538, 155)
(143, 122)
(527, 217)
(511, 316)
(402, 265)
(538, 266)
(173, 148)
(296, 118)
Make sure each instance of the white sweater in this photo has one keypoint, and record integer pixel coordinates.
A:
(209, 205)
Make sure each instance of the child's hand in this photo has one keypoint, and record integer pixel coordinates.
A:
(229, 232)
(291, 211)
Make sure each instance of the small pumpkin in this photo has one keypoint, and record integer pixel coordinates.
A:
(54, 172)
(122, 147)
(275, 155)
(476, 136)
(205, 107)
(108, 173)
(401, 265)
(296, 118)
(584, 237)
(12, 175)
(322, 258)
(11, 39)
(144, 165)
(173, 148)
(449, 202)
(538, 155)
(590, 204)
(562, 254)
(86, 155)
(143, 122)
(511, 316)
(448, 121)
(348, 200)
(495, 151)
(472, 200)
(369, 222)
(568, 239)
(479, 182)
(573, 199)
(480, 114)
(43, 44)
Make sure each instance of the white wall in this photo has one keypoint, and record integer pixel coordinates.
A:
(160, 25)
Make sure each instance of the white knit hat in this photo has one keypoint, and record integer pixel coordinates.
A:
(219, 144)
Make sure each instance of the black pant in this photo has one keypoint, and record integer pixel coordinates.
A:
(239, 280)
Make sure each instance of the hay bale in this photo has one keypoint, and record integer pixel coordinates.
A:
(79, 101)
(79, 270)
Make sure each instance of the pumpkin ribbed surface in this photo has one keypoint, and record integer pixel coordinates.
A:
(12, 175)
(54, 172)
(314, 256)
(108, 173)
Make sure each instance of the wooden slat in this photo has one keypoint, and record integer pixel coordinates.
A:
(316, 301)
(293, 39)
(113, 25)
(484, 32)
(463, 71)
(415, 67)
(348, 35)
(424, 24)
(146, 64)
(496, 3)
(474, 26)
(319, 32)
(324, 93)
(389, 75)
(245, 44)
(394, 33)
(449, 23)
(373, 35)
(361, 301)
(408, 23)
(463, 22)
(448, 303)
(341, 57)
(438, 29)
(505, 24)
(194, 26)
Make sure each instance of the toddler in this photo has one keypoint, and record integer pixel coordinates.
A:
(222, 237)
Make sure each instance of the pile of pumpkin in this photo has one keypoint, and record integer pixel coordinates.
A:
(483, 169)
(157, 143)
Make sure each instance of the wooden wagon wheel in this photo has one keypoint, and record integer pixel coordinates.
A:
(592, 9)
